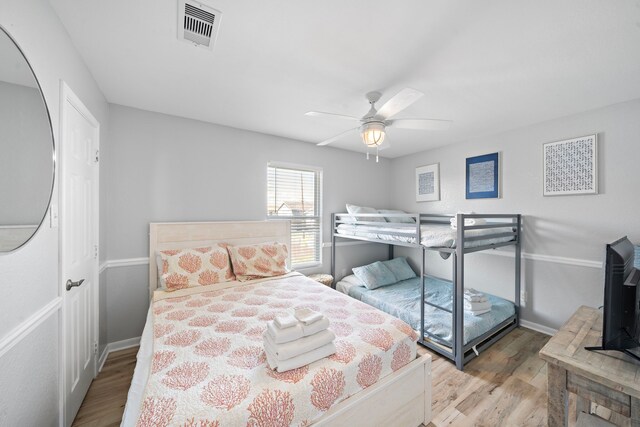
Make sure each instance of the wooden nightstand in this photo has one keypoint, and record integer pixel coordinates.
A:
(325, 279)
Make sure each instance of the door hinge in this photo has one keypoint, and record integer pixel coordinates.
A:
(95, 251)
(95, 348)
(97, 156)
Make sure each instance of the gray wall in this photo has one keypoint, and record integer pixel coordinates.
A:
(574, 227)
(164, 168)
(29, 276)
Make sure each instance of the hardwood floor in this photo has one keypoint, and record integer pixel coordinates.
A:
(104, 403)
(505, 386)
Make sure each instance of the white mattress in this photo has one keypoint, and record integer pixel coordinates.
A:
(431, 235)
(140, 374)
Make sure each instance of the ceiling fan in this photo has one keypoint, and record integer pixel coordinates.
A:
(373, 125)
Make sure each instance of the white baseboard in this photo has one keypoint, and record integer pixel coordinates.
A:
(537, 327)
(103, 358)
(116, 346)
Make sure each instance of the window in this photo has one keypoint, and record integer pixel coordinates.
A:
(293, 193)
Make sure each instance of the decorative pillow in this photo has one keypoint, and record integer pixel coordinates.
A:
(256, 261)
(374, 275)
(185, 268)
(353, 209)
(407, 219)
(400, 268)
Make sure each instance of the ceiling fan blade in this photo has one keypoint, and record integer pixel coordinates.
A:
(420, 124)
(399, 102)
(335, 138)
(329, 115)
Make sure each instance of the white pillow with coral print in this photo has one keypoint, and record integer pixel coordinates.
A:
(185, 268)
(256, 261)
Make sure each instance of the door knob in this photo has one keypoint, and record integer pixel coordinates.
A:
(72, 284)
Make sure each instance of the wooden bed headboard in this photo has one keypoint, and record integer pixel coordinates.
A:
(179, 235)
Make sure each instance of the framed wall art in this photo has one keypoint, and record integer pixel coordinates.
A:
(482, 176)
(571, 166)
(428, 183)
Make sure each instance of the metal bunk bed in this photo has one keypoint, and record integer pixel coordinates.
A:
(496, 227)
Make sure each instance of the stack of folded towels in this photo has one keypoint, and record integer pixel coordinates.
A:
(295, 340)
(476, 302)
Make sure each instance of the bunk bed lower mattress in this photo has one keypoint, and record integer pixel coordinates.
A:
(431, 235)
(402, 300)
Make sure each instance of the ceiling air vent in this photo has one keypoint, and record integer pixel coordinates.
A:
(198, 23)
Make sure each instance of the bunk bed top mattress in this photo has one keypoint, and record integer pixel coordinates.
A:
(431, 235)
(402, 300)
(235, 314)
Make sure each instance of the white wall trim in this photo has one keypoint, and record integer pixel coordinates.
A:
(126, 262)
(550, 258)
(117, 346)
(103, 358)
(537, 327)
(130, 262)
(124, 344)
(18, 333)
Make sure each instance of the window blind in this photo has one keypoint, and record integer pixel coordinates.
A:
(293, 193)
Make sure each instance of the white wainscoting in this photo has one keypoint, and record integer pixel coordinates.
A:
(18, 333)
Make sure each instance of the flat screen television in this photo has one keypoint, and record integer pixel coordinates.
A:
(621, 310)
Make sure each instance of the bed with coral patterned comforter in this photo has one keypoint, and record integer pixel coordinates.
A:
(209, 366)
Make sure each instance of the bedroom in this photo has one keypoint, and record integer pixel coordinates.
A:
(504, 73)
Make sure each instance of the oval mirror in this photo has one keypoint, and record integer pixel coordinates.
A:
(26, 149)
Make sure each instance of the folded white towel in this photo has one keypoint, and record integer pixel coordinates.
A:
(478, 312)
(472, 295)
(285, 321)
(468, 222)
(280, 336)
(294, 348)
(307, 316)
(475, 306)
(300, 360)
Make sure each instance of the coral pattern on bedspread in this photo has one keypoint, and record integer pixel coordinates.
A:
(209, 366)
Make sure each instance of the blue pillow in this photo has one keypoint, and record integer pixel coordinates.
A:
(374, 275)
(400, 268)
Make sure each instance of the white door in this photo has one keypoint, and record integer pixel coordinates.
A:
(79, 142)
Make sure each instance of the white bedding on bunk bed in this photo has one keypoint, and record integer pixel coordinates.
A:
(362, 333)
(431, 235)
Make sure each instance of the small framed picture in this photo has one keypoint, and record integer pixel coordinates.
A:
(571, 166)
(482, 176)
(428, 183)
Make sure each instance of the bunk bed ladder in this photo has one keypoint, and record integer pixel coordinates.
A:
(458, 295)
(421, 338)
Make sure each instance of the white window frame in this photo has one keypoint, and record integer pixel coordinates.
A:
(306, 168)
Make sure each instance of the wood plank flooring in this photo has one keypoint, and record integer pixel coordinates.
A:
(505, 386)
(104, 403)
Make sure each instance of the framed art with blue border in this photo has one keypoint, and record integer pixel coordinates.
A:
(482, 176)
(428, 183)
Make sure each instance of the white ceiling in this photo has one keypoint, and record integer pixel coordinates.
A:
(489, 66)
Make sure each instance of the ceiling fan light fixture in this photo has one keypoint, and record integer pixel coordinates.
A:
(372, 133)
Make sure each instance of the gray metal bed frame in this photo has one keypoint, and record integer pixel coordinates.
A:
(459, 352)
